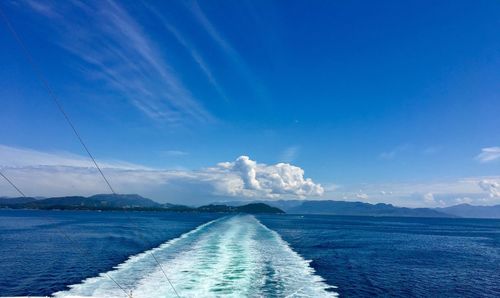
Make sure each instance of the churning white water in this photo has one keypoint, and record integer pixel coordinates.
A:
(234, 256)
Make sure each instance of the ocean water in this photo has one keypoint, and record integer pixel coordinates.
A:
(74, 253)
(398, 257)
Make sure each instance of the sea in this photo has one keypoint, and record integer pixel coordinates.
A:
(163, 254)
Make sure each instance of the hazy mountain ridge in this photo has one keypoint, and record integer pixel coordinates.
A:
(95, 201)
(466, 210)
(327, 207)
(359, 208)
(332, 207)
(124, 202)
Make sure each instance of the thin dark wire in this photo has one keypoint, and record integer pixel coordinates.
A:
(165, 274)
(52, 94)
(12, 183)
(75, 244)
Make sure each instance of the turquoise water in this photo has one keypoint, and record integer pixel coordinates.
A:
(207, 255)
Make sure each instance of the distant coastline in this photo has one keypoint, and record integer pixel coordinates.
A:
(119, 202)
(133, 202)
(347, 208)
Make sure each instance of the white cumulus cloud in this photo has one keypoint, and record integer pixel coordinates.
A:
(271, 181)
(464, 200)
(361, 195)
(490, 186)
(430, 200)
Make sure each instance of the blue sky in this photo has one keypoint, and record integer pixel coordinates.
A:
(384, 101)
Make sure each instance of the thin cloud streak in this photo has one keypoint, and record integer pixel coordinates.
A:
(115, 50)
(175, 153)
(17, 157)
(488, 154)
(388, 155)
(290, 154)
(207, 25)
(195, 55)
(225, 46)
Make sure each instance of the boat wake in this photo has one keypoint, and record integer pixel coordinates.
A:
(232, 256)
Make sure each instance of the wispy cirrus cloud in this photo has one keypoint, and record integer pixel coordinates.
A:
(17, 157)
(114, 49)
(289, 154)
(191, 49)
(226, 47)
(406, 149)
(488, 154)
(214, 33)
(42, 8)
(175, 153)
(431, 150)
(388, 155)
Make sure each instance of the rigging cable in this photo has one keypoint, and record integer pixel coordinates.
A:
(12, 184)
(65, 235)
(53, 96)
(51, 93)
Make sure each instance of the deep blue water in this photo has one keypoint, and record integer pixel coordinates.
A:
(399, 257)
(42, 252)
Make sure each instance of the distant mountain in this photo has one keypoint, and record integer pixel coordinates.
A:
(466, 210)
(100, 201)
(345, 208)
(110, 201)
(258, 208)
(137, 202)
(124, 202)
(362, 209)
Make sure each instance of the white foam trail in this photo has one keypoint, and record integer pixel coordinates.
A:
(232, 257)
